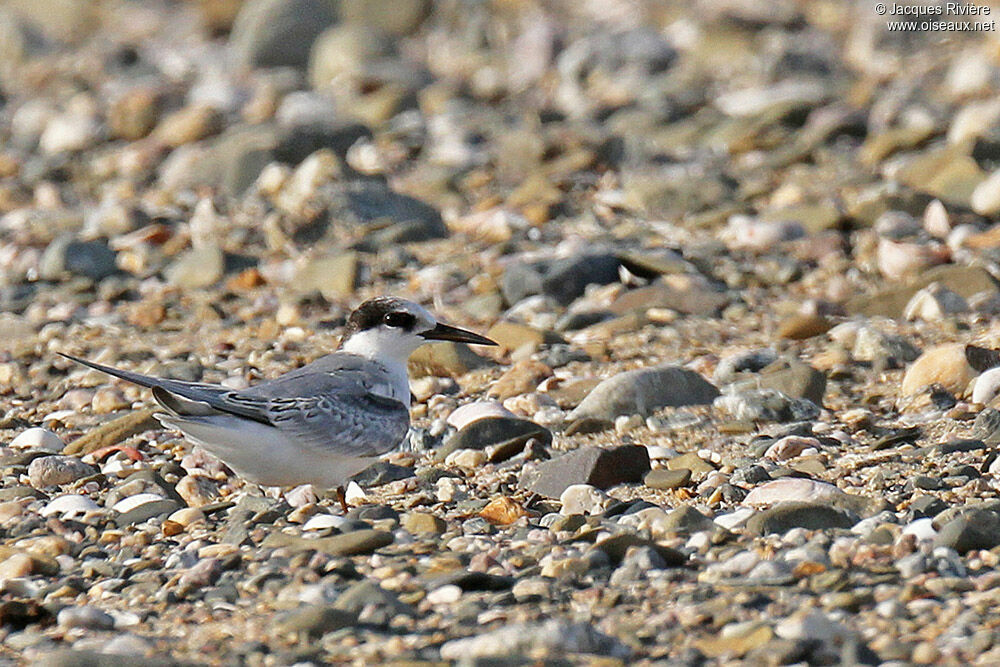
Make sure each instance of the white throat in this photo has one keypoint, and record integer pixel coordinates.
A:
(390, 350)
(385, 347)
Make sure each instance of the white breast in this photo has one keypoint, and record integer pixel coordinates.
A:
(395, 384)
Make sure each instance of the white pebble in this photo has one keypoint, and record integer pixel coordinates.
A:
(139, 499)
(447, 594)
(464, 415)
(323, 521)
(89, 618)
(38, 438)
(734, 519)
(582, 499)
(985, 198)
(70, 506)
(354, 495)
(469, 459)
(986, 387)
(922, 529)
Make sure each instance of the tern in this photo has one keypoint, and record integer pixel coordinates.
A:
(320, 424)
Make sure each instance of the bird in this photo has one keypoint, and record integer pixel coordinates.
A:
(320, 424)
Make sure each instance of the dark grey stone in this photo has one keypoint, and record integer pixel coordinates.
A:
(783, 517)
(507, 434)
(602, 468)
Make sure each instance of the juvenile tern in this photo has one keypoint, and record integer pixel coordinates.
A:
(320, 424)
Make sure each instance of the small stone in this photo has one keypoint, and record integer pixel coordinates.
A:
(503, 511)
(17, 565)
(667, 479)
(334, 277)
(52, 470)
(448, 594)
(187, 516)
(582, 499)
(795, 379)
(553, 637)
(686, 520)
(934, 303)
(356, 542)
(563, 279)
(785, 516)
(698, 466)
(798, 489)
(70, 506)
(107, 400)
(38, 438)
(324, 521)
(423, 522)
(133, 115)
(197, 490)
(316, 620)
(143, 507)
(791, 446)
(69, 132)
(522, 378)
(188, 125)
(601, 468)
(513, 336)
(470, 412)
(504, 436)
(203, 573)
(445, 360)
(87, 618)
(801, 327)
(644, 391)
(986, 197)
(945, 365)
(972, 529)
(987, 386)
(279, 33)
(196, 268)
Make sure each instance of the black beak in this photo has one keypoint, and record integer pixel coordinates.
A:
(445, 332)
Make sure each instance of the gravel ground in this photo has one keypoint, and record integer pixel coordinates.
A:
(741, 259)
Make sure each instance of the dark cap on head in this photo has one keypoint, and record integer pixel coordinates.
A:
(373, 313)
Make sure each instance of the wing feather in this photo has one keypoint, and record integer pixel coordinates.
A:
(326, 405)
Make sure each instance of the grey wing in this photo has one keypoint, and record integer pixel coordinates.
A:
(345, 424)
(325, 404)
(332, 412)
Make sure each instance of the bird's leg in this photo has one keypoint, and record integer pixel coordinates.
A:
(342, 497)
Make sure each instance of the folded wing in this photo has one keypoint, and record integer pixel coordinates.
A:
(325, 405)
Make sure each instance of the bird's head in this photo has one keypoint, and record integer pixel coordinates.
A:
(390, 328)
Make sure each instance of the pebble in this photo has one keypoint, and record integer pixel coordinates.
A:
(465, 414)
(196, 268)
(643, 391)
(38, 438)
(197, 491)
(601, 468)
(55, 470)
(422, 522)
(85, 618)
(502, 437)
(986, 386)
(945, 365)
(70, 506)
(582, 499)
(503, 511)
(523, 639)
(667, 479)
(788, 515)
(934, 302)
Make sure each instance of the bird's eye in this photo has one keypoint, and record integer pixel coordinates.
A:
(399, 320)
